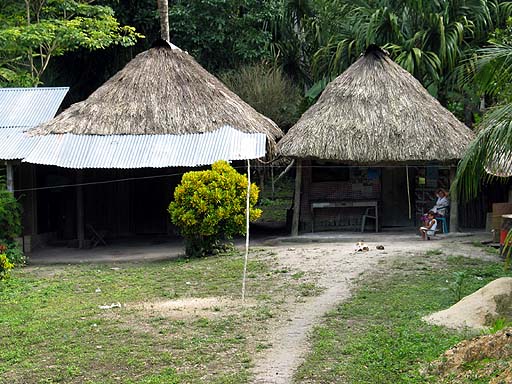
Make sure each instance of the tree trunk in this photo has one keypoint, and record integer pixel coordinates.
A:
(163, 10)
(454, 203)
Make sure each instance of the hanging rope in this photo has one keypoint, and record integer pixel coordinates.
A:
(246, 228)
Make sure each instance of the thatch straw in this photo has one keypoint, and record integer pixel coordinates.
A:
(376, 112)
(161, 91)
(500, 164)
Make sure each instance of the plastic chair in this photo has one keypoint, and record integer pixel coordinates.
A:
(442, 220)
(367, 215)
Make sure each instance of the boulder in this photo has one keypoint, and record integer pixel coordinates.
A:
(480, 309)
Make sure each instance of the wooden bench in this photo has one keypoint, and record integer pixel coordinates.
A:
(345, 204)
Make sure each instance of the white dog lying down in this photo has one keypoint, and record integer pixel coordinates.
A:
(361, 247)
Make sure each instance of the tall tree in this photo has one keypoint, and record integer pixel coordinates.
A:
(35, 31)
(163, 10)
(223, 34)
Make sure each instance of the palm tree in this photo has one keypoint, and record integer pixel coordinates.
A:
(427, 38)
(490, 155)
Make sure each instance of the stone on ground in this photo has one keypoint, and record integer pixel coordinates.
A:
(480, 309)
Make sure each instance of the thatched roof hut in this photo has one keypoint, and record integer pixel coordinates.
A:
(376, 112)
(161, 91)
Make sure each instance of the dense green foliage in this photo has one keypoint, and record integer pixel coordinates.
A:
(10, 226)
(10, 216)
(35, 31)
(223, 34)
(210, 206)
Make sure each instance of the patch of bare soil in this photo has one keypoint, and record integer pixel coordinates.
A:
(207, 307)
(488, 356)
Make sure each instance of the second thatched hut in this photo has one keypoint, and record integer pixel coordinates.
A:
(375, 143)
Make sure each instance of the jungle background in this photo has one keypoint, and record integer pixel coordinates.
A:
(276, 54)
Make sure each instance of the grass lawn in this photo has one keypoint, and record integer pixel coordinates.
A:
(378, 336)
(53, 331)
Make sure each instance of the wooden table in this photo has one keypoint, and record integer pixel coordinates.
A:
(345, 204)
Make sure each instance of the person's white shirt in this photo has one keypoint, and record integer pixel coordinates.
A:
(441, 204)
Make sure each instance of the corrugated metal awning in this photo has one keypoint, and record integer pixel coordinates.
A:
(133, 151)
(28, 107)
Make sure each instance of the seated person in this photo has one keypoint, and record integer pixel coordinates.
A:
(430, 228)
(442, 204)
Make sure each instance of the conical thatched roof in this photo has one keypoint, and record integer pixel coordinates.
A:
(161, 91)
(376, 112)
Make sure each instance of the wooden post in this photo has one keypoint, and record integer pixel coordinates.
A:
(10, 179)
(454, 203)
(296, 201)
(80, 228)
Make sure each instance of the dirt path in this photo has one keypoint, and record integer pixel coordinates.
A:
(335, 268)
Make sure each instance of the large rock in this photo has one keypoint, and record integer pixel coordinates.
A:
(480, 309)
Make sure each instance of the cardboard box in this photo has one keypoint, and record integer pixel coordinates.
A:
(501, 208)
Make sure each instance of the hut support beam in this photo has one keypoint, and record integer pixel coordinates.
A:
(454, 203)
(296, 200)
(9, 176)
(80, 227)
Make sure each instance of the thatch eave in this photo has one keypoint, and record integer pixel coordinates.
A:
(376, 164)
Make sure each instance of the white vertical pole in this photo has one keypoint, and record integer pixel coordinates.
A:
(80, 229)
(10, 178)
(246, 228)
(408, 191)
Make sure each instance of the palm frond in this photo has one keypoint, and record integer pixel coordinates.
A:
(492, 144)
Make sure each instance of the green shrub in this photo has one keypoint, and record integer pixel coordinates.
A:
(10, 226)
(210, 206)
(15, 254)
(5, 266)
(10, 215)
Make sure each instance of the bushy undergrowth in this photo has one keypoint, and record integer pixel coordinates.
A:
(10, 226)
(5, 267)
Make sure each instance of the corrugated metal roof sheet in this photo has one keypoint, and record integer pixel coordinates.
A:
(15, 144)
(133, 151)
(28, 107)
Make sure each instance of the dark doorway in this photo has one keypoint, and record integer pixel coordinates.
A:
(395, 206)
